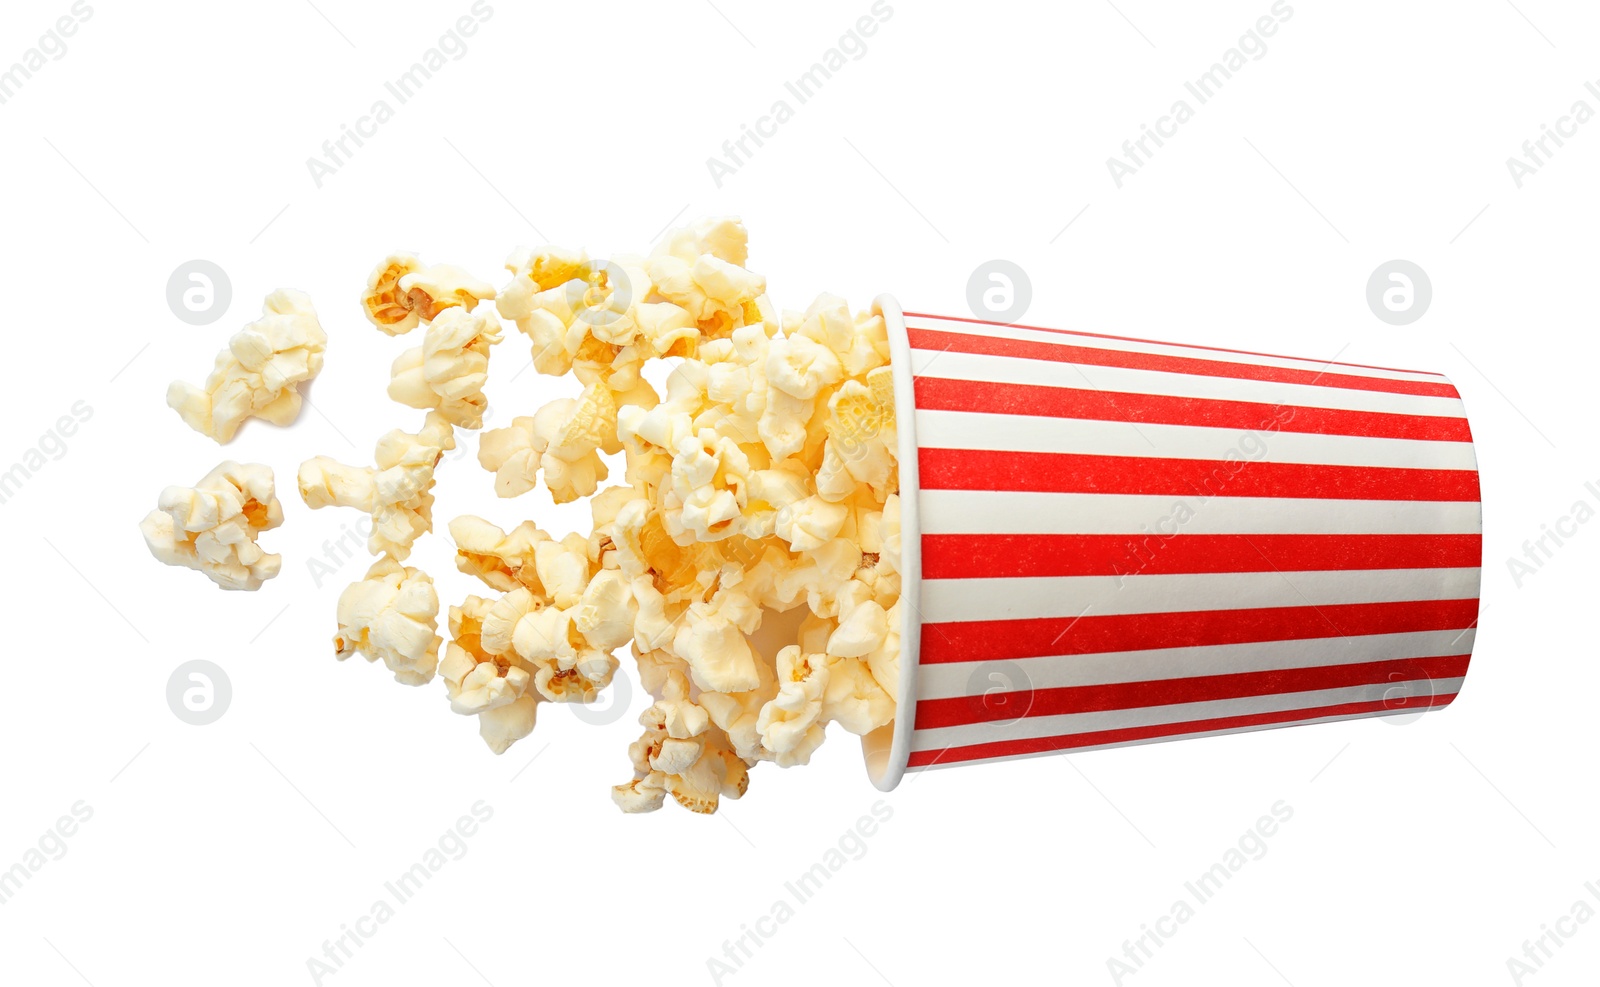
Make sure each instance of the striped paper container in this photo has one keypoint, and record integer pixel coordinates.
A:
(1109, 541)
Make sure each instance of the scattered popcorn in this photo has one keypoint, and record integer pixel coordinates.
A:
(748, 554)
(391, 614)
(259, 374)
(448, 370)
(397, 492)
(213, 525)
(401, 292)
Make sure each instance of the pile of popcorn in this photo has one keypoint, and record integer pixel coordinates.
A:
(762, 481)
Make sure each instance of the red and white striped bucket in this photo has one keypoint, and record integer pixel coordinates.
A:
(1109, 541)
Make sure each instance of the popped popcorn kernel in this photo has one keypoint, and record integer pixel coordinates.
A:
(483, 679)
(384, 302)
(391, 614)
(212, 526)
(401, 292)
(259, 373)
(564, 439)
(448, 371)
(397, 492)
(791, 722)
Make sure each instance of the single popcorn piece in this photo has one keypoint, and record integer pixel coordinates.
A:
(213, 525)
(567, 667)
(486, 681)
(556, 571)
(391, 615)
(259, 374)
(536, 271)
(700, 269)
(384, 302)
(791, 724)
(738, 714)
(397, 492)
(401, 292)
(564, 438)
(854, 699)
(448, 371)
(492, 555)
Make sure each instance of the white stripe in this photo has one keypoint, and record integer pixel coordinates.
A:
(1167, 349)
(953, 600)
(955, 679)
(1020, 370)
(1119, 719)
(1027, 433)
(1014, 512)
(1254, 728)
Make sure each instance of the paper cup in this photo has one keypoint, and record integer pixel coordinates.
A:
(1108, 541)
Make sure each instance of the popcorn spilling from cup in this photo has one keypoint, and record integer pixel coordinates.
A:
(762, 481)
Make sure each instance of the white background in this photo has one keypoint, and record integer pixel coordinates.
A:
(228, 853)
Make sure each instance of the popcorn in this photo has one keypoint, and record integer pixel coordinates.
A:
(606, 611)
(499, 559)
(213, 525)
(534, 272)
(800, 367)
(556, 571)
(401, 292)
(397, 492)
(681, 751)
(434, 289)
(695, 769)
(700, 269)
(861, 435)
(791, 723)
(449, 369)
(720, 658)
(564, 438)
(259, 374)
(710, 475)
(550, 635)
(384, 302)
(487, 682)
(391, 614)
(575, 311)
(854, 699)
(810, 523)
(762, 481)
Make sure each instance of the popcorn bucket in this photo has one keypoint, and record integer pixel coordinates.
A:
(1108, 541)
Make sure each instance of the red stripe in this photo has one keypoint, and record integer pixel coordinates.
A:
(958, 711)
(1036, 745)
(1020, 556)
(941, 394)
(1068, 472)
(1157, 342)
(991, 640)
(940, 340)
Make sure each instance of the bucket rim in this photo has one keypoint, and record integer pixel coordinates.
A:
(887, 750)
